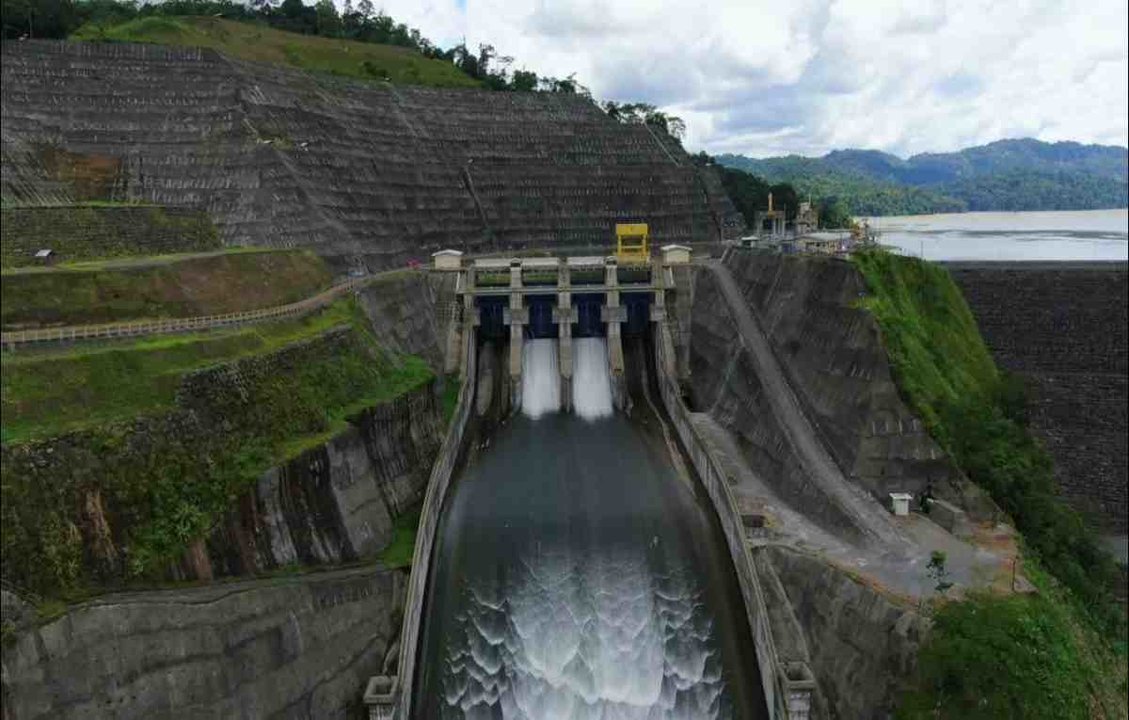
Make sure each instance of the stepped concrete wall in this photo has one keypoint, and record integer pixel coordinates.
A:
(1065, 329)
(368, 173)
(80, 233)
(298, 647)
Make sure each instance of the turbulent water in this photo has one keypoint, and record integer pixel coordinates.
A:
(591, 386)
(540, 378)
(1094, 235)
(576, 576)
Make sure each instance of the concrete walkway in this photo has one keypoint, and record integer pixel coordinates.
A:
(137, 328)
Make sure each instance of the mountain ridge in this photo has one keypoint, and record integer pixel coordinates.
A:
(1009, 174)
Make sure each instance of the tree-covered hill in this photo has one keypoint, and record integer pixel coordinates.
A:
(1021, 174)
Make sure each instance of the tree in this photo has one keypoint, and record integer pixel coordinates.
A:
(524, 81)
(364, 7)
(329, 23)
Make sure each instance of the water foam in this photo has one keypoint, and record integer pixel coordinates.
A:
(583, 637)
(591, 383)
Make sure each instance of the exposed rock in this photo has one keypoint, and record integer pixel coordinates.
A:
(863, 645)
(299, 647)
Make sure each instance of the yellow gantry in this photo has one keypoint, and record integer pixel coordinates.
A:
(632, 243)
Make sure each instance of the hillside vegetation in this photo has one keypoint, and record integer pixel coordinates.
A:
(252, 41)
(116, 458)
(1006, 175)
(992, 657)
(214, 284)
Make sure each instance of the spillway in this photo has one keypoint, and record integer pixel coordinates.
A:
(591, 386)
(576, 576)
(540, 378)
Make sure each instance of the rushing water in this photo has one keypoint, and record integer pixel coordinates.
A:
(576, 576)
(540, 378)
(591, 386)
(1085, 235)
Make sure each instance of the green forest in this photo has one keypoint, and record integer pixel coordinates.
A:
(1008, 175)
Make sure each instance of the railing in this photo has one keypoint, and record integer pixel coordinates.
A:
(135, 328)
(387, 696)
(787, 688)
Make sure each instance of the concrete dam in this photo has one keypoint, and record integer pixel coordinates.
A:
(654, 489)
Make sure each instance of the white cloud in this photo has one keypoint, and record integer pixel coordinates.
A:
(808, 76)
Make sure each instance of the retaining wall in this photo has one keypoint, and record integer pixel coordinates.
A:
(84, 233)
(370, 173)
(787, 689)
(1065, 329)
(400, 695)
(298, 647)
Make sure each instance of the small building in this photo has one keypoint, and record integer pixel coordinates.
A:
(899, 503)
(47, 256)
(447, 260)
(675, 254)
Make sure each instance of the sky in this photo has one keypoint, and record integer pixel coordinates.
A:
(809, 76)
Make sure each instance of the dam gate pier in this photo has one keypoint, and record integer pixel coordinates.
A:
(514, 299)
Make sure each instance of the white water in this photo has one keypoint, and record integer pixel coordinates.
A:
(540, 378)
(591, 384)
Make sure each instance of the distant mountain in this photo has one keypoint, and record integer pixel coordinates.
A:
(1021, 174)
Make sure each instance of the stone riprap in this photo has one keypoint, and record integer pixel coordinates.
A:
(88, 232)
(1065, 329)
(368, 173)
(298, 647)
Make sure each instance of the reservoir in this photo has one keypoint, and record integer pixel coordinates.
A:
(1079, 235)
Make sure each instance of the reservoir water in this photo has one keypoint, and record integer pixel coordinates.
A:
(577, 576)
(1084, 235)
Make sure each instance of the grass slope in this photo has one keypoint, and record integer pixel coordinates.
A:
(159, 288)
(103, 413)
(991, 657)
(250, 41)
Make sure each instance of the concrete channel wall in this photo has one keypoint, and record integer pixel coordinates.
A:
(391, 697)
(788, 688)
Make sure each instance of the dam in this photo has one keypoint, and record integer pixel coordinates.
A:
(576, 576)
(534, 484)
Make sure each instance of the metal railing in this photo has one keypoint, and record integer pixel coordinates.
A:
(133, 328)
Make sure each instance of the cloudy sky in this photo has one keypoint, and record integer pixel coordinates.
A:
(808, 76)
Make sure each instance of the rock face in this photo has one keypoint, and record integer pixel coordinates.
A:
(335, 503)
(838, 367)
(832, 355)
(371, 174)
(1065, 330)
(299, 647)
(861, 644)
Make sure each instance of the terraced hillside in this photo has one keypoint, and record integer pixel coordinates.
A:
(364, 173)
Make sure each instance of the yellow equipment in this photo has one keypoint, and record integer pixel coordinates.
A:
(632, 243)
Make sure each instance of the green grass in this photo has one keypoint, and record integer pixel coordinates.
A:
(977, 415)
(251, 41)
(451, 389)
(48, 395)
(119, 431)
(1021, 656)
(400, 549)
(109, 291)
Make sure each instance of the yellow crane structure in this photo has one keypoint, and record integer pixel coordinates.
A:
(632, 243)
